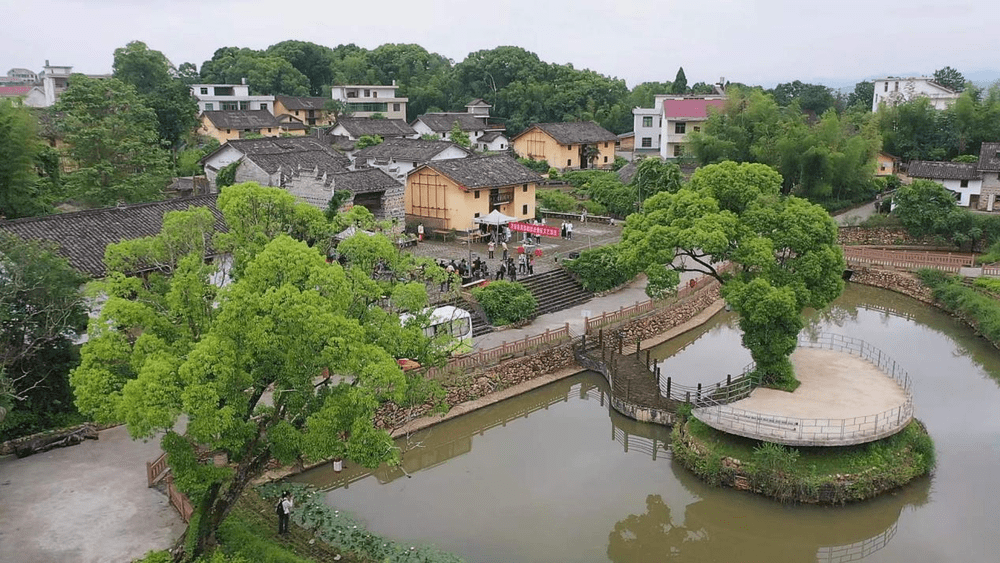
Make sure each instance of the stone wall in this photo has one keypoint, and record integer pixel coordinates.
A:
(879, 236)
(667, 318)
(900, 282)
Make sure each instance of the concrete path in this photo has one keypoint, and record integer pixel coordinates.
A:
(631, 294)
(86, 503)
(856, 215)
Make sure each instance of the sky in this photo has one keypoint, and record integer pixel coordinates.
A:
(761, 42)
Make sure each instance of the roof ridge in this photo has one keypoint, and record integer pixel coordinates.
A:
(85, 212)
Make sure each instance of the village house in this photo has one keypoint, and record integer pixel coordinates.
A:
(441, 124)
(397, 156)
(82, 236)
(450, 194)
(354, 128)
(492, 141)
(682, 116)
(368, 100)
(885, 164)
(975, 184)
(371, 188)
(274, 161)
(309, 111)
(892, 91)
(230, 97)
(568, 146)
(228, 125)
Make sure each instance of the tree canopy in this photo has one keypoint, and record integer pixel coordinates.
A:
(112, 139)
(23, 193)
(287, 362)
(950, 78)
(783, 252)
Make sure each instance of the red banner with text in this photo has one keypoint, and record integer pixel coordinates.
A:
(539, 229)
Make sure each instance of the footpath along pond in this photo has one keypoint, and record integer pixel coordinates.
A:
(555, 475)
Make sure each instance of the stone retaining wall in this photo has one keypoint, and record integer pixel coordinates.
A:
(662, 320)
(880, 236)
(900, 282)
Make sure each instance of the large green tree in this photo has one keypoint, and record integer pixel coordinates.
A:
(862, 96)
(266, 74)
(950, 78)
(680, 83)
(112, 142)
(41, 312)
(159, 87)
(783, 252)
(281, 364)
(810, 97)
(22, 191)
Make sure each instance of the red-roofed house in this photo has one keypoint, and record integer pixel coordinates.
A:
(14, 91)
(682, 116)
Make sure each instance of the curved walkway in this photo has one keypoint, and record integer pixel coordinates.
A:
(851, 394)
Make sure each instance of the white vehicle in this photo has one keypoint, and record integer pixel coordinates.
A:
(450, 320)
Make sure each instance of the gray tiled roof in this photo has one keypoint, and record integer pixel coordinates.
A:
(489, 137)
(363, 181)
(291, 153)
(417, 150)
(243, 119)
(989, 157)
(478, 102)
(297, 102)
(943, 170)
(82, 236)
(575, 132)
(358, 126)
(485, 171)
(443, 122)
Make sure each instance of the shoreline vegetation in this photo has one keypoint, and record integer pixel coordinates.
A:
(835, 475)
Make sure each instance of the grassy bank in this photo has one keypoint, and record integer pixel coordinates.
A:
(978, 305)
(811, 475)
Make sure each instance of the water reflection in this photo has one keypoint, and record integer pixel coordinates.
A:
(739, 528)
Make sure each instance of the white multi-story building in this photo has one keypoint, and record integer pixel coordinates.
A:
(230, 97)
(892, 91)
(681, 117)
(367, 100)
(647, 124)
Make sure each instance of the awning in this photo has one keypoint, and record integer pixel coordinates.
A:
(494, 218)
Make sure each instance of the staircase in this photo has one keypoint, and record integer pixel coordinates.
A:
(555, 290)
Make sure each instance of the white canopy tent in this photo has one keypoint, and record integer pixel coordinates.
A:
(494, 218)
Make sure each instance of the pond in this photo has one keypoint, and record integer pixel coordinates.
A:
(555, 475)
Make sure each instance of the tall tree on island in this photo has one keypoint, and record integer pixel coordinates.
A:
(680, 83)
(783, 252)
(288, 362)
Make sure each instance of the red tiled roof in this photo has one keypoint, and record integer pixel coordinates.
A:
(11, 91)
(689, 108)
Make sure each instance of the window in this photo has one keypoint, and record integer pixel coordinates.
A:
(263, 107)
(647, 121)
(886, 89)
(246, 106)
(368, 93)
(678, 150)
(268, 129)
(680, 127)
(502, 147)
(605, 145)
(647, 142)
(477, 214)
(605, 159)
(230, 106)
(897, 86)
(444, 135)
(395, 107)
(477, 194)
(524, 209)
(209, 106)
(525, 188)
(697, 129)
(569, 162)
(204, 91)
(368, 106)
(965, 184)
(228, 131)
(296, 112)
(375, 93)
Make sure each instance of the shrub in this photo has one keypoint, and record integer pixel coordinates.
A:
(555, 200)
(227, 175)
(594, 208)
(553, 174)
(601, 269)
(976, 308)
(506, 302)
(619, 163)
(540, 166)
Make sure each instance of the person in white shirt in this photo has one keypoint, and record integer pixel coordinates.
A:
(284, 512)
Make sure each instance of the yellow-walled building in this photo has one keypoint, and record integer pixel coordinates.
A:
(228, 125)
(450, 194)
(310, 111)
(568, 146)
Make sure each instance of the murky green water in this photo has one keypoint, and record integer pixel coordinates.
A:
(555, 475)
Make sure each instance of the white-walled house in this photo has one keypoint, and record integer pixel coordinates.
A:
(230, 97)
(441, 124)
(354, 128)
(397, 156)
(682, 116)
(492, 141)
(894, 90)
(366, 100)
(274, 161)
(647, 124)
(961, 178)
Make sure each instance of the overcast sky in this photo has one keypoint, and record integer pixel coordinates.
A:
(750, 41)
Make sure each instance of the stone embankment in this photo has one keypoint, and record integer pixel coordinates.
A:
(879, 236)
(900, 282)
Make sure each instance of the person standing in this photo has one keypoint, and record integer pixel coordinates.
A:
(583, 216)
(522, 264)
(491, 247)
(420, 232)
(284, 510)
(562, 230)
(511, 270)
(531, 266)
(502, 270)
(503, 245)
(569, 230)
